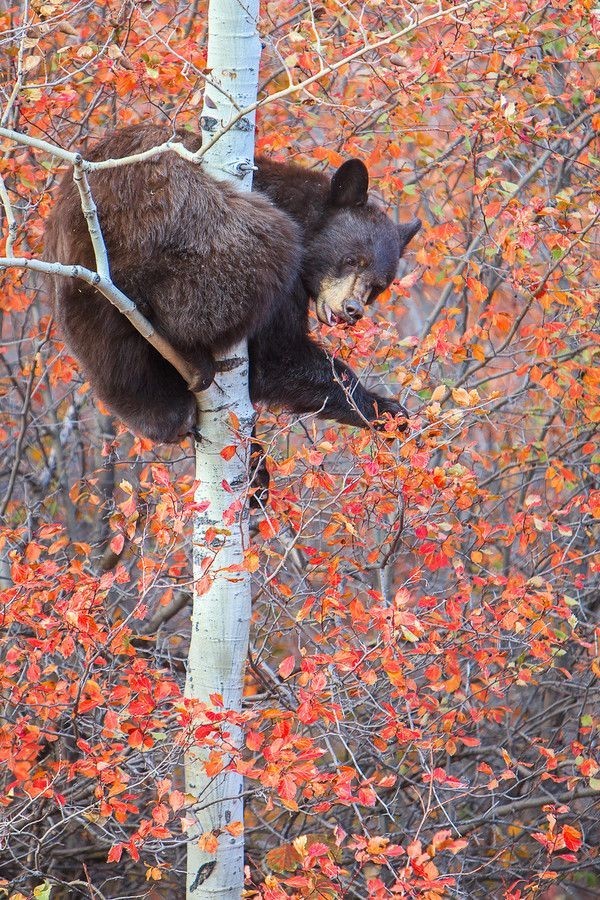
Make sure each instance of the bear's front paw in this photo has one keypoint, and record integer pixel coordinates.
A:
(199, 381)
(202, 372)
(386, 408)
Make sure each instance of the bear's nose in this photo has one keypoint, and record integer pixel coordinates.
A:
(353, 309)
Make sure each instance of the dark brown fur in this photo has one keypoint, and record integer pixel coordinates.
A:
(209, 266)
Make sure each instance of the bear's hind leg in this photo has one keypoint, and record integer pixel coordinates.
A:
(148, 395)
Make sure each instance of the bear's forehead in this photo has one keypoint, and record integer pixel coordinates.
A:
(367, 225)
(381, 242)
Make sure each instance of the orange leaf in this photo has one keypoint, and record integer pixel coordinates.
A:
(254, 740)
(283, 859)
(478, 290)
(208, 842)
(203, 585)
(214, 764)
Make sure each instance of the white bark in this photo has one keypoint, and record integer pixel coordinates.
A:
(221, 616)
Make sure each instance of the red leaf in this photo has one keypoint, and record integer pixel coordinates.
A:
(571, 837)
(286, 667)
(116, 545)
(115, 853)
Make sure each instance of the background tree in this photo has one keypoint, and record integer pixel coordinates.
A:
(421, 704)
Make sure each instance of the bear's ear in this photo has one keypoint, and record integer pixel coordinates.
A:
(350, 184)
(407, 231)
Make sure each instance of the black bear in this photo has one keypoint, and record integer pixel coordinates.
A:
(208, 266)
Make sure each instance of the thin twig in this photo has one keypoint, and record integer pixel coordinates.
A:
(24, 413)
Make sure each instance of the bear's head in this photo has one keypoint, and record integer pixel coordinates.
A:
(354, 254)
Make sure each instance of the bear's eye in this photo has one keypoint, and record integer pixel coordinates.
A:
(351, 261)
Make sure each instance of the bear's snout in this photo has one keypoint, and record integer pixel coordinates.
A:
(353, 310)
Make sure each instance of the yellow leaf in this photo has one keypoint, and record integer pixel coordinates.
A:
(31, 62)
(153, 873)
(461, 397)
(300, 844)
(408, 635)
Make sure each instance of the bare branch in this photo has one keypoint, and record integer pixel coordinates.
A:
(88, 207)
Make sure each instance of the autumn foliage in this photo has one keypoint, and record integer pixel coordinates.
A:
(422, 688)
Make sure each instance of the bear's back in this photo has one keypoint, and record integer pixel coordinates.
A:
(143, 208)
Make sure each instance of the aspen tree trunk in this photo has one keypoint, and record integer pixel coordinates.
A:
(221, 613)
